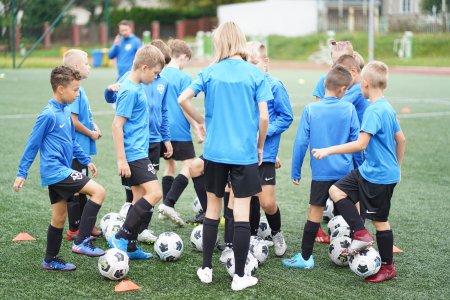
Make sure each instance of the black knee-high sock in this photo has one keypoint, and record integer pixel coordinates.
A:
(309, 235)
(74, 213)
(134, 218)
(229, 227)
(179, 184)
(145, 221)
(241, 243)
(255, 215)
(128, 194)
(166, 185)
(274, 222)
(226, 200)
(350, 214)
(210, 228)
(88, 218)
(385, 241)
(200, 190)
(54, 238)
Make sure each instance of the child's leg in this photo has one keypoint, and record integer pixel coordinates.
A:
(55, 229)
(312, 225)
(210, 228)
(179, 184)
(269, 205)
(385, 241)
(346, 208)
(241, 238)
(229, 218)
(168, 177)
(196, 169)
(255, 215)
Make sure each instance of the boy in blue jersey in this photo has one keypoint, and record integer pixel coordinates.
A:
(373, 183)
(324, 123)
(53, 136)
(126, 44)
(180, 132)
(235, 105)
(86, 133)
(131, 134)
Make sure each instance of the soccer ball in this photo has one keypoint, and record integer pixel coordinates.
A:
(365, 263)
(251, 264)
(114, 264)
(197, 238)
(340, 232)
(264, 230)
(112, 228)
(335, 250)
(335, 222)
(112, 216)
(259, 249)
(197, 207)
(169, 246)
(329, 208)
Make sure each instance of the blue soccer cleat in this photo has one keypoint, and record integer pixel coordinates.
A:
(87, 248)
(120, 243)
(297, 261)
(58, 264)
(139, 254)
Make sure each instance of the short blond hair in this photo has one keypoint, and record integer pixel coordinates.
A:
(150, 56)
(376, 74)
(73, 57)
(228, 40)
(165, 50)
(256, 50)
(359, 59)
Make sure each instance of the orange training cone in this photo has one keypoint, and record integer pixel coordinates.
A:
(395, 249)
(125, 286)
(406, 110)
(23, 236)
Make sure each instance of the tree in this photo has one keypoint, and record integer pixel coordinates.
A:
(427, 5)
(36, 12)
(210, 5)
(92, 5)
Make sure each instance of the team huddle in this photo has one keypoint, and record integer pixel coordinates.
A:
(355, 141)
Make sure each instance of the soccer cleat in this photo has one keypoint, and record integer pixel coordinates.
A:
(297, 261)
(147, 236)
(162, 217)
(322, 237)
(96, 232)
(139, 254)
(124, 210)
(386, 272)
(362, 239)
(197, 220)
(171, 214)
(240, 283)
(205, 275)
(72, 235)
(87, 248)
(279, 244)
(269, 243)
(226, 253)
(58, 264)
(120, 244)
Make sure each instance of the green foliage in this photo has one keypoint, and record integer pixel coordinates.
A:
(210, 5)
(36, 12)
(427, 5)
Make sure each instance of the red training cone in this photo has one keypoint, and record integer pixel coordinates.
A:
(23, 236)
(395, 249)
(125, 286)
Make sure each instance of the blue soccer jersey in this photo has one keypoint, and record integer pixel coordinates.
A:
(280, 118)
(319, 90)
(125, 53)
(132, 105)
(53, 135)
(354, 96)
(179, 127)
(323, 124)
(233, 88)
(81, 108)
(380, 165)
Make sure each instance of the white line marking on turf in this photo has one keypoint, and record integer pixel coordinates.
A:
(424, 115)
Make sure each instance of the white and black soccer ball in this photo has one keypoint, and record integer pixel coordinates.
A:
(112, 216)
(112, 228)
(169, 246)
(365, 263)
(197, 206)
(114, 264)
(197, 238)
(335, 222)
(335, 249)
(264, 230)
(328, 210)
(259, 249)
(340, 232)
(251, 264)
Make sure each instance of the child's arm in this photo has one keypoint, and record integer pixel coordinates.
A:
(263, 124)
(359, 145)
(117, 131)
(164, 129)
(400, 146)
(283, 110)
(92, 134)
(301, 144)
(79, 154)
(354, 134)
(186, 104)
(115, 48)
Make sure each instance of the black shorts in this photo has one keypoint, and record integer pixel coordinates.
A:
(319, 192)
(154, 153)
(181, 150)
(375, 199)
(267, 173)
(244, 179)
(65, 189)
(77, 166)
(141, 171)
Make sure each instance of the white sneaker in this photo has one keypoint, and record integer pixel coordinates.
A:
(279, 244)
(226, 253)
(205, 275)
(240, 283)
(124, 210)
(269, 243)
(147, 236)
(171, 214)
(162, 217)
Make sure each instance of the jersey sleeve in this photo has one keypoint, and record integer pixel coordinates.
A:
(75, 106)
(354, 134)
(396, 124)
(184, 84)
(114, 51)
(319, 90)
(198, 84)
(125, 103)
(263, 92)
(301, 144)
(371, 122)
(283, 111)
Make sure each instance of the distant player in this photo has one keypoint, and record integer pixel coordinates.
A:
(235, 106)
(86, 133)
(327, 122)
(373, 183)
(131, 135)
(53, 136)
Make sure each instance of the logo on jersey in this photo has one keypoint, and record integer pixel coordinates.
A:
(62, 125)
(151, 169)
(128, 47)
(76, 175)
(160, 88)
